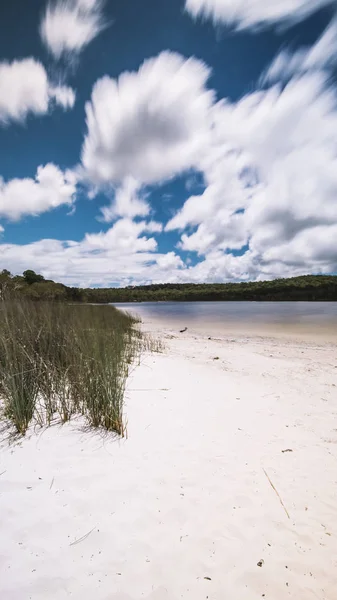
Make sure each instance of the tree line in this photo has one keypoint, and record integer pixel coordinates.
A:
(305, 288)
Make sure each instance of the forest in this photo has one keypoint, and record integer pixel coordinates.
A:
(305, 288)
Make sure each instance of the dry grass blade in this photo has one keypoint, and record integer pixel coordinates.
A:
(84, 537)
(276, 492)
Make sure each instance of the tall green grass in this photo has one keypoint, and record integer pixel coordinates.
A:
(57, 361)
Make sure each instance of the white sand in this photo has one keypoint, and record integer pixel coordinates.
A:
(185, 498)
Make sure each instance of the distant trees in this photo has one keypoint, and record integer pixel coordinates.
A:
(31, 285)
(46, 290)
(308, 288)
(31, 277)
(5, 279)
(9, 284)
(36, 287)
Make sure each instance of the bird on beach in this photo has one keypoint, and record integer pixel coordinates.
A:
(183, 330)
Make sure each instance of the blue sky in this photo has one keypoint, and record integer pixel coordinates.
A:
(190, 140)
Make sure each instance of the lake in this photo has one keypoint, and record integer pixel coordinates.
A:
(240, 317)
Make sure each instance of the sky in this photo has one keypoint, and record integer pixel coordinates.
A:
(168, 140)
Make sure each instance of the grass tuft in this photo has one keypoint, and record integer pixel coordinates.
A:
(59, 361)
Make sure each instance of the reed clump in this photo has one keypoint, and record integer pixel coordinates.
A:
(59, 360)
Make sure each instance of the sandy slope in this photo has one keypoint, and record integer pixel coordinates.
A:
(183, 508)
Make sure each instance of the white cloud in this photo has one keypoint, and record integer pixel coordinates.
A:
(168, 262)
(70, 25)
(215, 211)
(247, 14)
(149, 125)
(63, 95)
(49, 189)
(289, 136)
(315, 245)
(268, 161)
(275, 189)
(128, 202)
(123, 237)
(217, 267)
(269, 164)
(25, 89)
(320, 56)
(126, 253)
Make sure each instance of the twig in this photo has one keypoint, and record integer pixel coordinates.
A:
(2, 473)
(52, 481)
(276, 492)
(82, 538)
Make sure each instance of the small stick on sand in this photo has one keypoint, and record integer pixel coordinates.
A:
(82, 538)
(276, 492)
(52, 481)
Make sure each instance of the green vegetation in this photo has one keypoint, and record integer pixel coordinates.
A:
(308, 287)
(59, 360)
(298, 288)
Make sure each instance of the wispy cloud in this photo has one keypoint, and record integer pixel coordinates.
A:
(68, 26)
(321, 55)
(250, 14)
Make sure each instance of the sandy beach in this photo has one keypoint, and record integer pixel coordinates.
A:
(225, 487)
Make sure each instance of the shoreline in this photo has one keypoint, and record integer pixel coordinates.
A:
(185, 507)
(301, 333)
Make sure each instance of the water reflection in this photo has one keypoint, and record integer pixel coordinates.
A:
(278, 313)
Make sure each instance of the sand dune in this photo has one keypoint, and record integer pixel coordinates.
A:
(220, 431)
